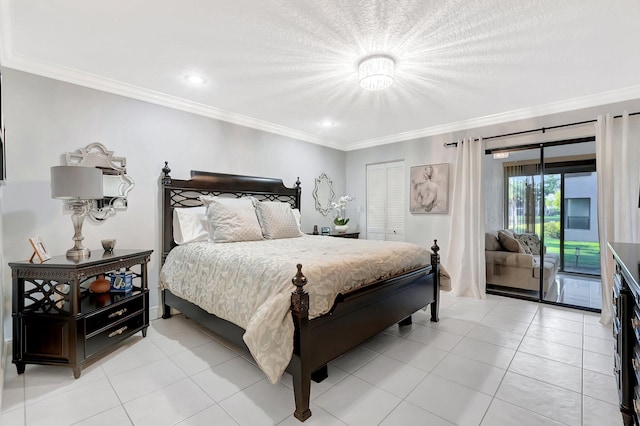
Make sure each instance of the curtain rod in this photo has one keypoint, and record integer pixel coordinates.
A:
(541, 129)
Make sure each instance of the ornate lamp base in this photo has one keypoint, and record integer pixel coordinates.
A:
(78, 253)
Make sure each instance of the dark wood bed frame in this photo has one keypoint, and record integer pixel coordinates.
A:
(354, 317)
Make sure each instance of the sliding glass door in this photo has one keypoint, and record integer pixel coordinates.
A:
(549, 205)
(513, 188)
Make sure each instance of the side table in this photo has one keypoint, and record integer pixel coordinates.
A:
(57, 321)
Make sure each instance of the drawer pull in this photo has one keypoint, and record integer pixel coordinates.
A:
(118, 331)
(117, 313)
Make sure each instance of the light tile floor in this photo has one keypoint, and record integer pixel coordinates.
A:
(490, 362)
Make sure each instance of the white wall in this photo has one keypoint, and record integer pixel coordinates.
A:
(419, 228)
(46, 118)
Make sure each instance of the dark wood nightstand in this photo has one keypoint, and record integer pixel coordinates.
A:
(345, 235)
(56, 321)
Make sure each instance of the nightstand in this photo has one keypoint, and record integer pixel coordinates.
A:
(56, 321)
(345, 234)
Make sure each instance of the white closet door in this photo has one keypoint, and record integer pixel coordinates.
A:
(386, 201)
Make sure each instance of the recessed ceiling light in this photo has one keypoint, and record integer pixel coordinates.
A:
(327, 123)
(194, 79)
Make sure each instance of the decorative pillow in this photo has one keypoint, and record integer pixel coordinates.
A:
(277, 220)
(190, 224)
(296, 214)
(510, 243)
(530, 241)
(233, 219)
(491, 242)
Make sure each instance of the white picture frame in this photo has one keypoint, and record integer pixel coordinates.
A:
(429, 189)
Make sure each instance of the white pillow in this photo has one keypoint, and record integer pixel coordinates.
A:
(277, 220)
(233, 219)
(190, 224)
(296, 214)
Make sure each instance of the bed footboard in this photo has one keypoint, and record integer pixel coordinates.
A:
(354, 319)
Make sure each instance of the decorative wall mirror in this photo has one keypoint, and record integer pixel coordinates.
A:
(323, 194)
(116, 182)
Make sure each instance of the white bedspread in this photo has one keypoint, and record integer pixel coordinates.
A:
(249, 283)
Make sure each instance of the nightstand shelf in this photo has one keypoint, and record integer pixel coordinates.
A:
(56, 321)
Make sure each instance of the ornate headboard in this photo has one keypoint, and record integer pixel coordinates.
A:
(186, 193)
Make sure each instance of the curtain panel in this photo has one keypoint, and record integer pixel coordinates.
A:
(465, 256)
(617, 159)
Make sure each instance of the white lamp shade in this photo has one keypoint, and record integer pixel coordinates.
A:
(76, 182)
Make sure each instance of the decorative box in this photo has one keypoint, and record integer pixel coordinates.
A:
(121, 282)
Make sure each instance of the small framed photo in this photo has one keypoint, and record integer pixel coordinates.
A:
(325, 230)
(39, 250)
(429, 189)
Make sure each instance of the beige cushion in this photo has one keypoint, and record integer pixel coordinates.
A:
(277, 220)
(491, 242)
(232, 219)
(510, 243)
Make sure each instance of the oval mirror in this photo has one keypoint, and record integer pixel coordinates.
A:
(116, 182)
(323, 194)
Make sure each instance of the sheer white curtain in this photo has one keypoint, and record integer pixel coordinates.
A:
(617, 159)
(465, 256)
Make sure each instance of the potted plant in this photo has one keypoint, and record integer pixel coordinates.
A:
(341, 220)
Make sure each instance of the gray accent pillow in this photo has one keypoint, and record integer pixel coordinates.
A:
(491, 242)
(510, 243)
(233, 219)
(277, 220)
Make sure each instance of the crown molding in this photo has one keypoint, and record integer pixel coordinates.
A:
(97, 82)
(598, 99)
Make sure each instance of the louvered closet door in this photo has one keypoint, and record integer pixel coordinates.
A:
(385, 201)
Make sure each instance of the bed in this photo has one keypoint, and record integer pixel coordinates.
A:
(351, 317)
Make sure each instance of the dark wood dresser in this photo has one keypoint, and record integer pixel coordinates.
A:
(56, 321)
(626, 328)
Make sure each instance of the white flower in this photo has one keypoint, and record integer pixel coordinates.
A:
(341, 207)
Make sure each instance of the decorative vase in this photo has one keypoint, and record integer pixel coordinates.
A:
(341, 228)
(100, 285)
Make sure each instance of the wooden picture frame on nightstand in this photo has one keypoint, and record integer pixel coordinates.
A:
(39, 250)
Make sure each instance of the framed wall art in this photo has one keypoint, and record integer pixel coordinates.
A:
(429, 189)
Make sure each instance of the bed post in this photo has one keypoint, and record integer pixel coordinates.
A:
(166, 180)
(301, 347)
(435, 266)
(298, 195)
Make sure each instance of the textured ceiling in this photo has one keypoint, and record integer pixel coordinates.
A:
(285, 66)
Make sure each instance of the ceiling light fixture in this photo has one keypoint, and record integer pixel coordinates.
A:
(376, 72)
(327, 123)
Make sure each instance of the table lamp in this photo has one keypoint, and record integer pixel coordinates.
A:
(79, 185)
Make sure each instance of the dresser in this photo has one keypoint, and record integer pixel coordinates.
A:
(57, 321)
(626, 328)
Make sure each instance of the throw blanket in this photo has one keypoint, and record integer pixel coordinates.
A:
(249, 283)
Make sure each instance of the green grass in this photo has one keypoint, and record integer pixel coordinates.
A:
(589, 252)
